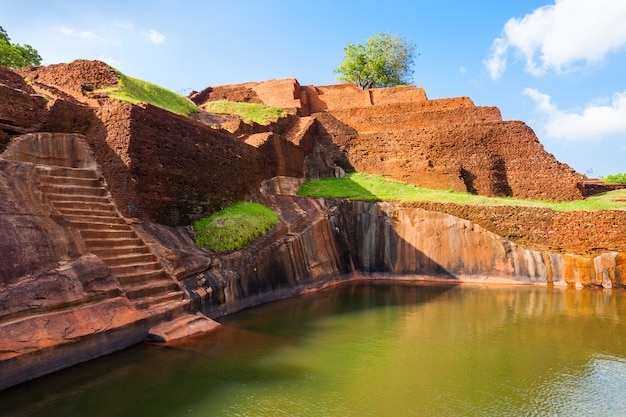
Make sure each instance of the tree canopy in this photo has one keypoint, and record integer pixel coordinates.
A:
(383, 61)
(15, 55)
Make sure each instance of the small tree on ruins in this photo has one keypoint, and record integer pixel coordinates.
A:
(383, 61)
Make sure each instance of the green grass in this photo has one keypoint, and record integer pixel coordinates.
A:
(255, 112)
(136, 91)
(366, 187)
(234, 227)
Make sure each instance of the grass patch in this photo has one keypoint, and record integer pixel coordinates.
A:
(234, 227)
(366, 187)
(254, 112)
(136, 91)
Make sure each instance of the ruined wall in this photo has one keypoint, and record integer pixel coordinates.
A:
(21, 109)
(435, 114)
(347, 96)
(77, 79)
(171, 169)
(588, 232)
(493, 159)
(444, 143)
(283, 93)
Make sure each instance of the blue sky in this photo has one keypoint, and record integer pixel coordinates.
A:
(557, 65)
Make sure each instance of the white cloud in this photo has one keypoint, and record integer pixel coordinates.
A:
(462, 70)
(558, 36)
(154, 36)
(83, 35)
(596, 121)
(122, 24)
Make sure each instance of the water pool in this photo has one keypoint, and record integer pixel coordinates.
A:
(368, 349)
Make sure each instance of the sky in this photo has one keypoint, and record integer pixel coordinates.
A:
(557, 65)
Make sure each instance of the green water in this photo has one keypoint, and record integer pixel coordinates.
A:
(368, 350)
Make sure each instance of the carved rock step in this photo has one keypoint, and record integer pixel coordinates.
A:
(78, 204)
(123, 258)
(89, 212)
(150, 289)
(77, 198)
(107, 234)
(74, 190)
(67, 181)
(82, 197)
(67, 172)
(108, 219)
(112, 243)
(181, 327)
(161, 300)
(105, 252)
(124, 269)
(95, 225)
(140, 277)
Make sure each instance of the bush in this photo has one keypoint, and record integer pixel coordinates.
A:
(234, 227)
(615, 178)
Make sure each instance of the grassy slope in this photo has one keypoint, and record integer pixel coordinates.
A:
(234, 227)
(255, 112)
(136, 91)
(359, 186)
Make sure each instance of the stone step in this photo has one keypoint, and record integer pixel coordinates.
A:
(108, 219)
(152, 288)
(132, 278)
(88, 212)
(113, 243)
(183, 326)
(67, 172)
(112, 260)
(134, 268)
(81, 205)
(116, 251)
(169, 309)
(161, 300)
(107, 234)
(74, 190)
(92, 225)
(78, 198)
(70, 181)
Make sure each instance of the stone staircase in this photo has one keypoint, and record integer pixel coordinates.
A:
(83, 198)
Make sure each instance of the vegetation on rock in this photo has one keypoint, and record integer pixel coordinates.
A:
(619, 178)
(383, 61)
(234, 227)
(136, 91)
(15, 55)
(367, 187)
(254, 112)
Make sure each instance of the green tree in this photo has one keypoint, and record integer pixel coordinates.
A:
(15, 55)
(383, 61)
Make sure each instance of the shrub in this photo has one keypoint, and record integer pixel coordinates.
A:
(615, 178)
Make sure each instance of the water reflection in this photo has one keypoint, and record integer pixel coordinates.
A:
(374, 349)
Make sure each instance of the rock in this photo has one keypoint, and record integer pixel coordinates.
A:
(185, 326)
